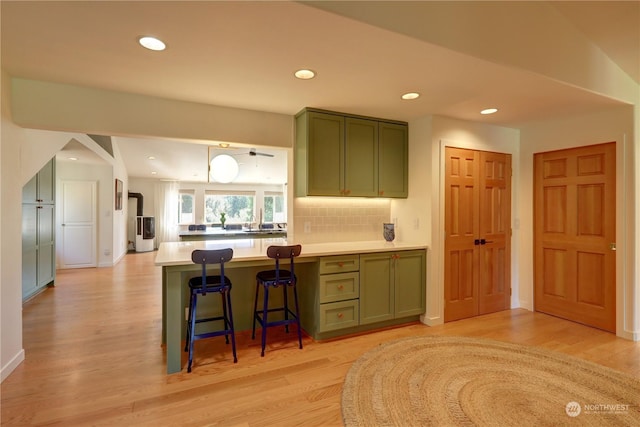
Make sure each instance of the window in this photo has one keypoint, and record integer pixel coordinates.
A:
(237, 205)
(185, 207)
(274, 207)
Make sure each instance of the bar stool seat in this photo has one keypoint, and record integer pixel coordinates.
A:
(273, 279)
(199, 287)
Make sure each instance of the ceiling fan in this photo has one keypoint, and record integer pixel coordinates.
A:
(252, 152)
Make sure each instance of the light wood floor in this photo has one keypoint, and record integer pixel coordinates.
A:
(93, 357)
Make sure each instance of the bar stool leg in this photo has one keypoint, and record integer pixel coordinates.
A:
(233, 335)
(188, 334)
(225, 318)
(286, 307)
(255, 311)
(192, 330)
(264, 318)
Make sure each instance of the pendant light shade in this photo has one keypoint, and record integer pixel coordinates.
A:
(223, 168)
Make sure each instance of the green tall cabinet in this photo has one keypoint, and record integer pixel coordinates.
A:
(395, 285)
(38, 231)
(345, 155)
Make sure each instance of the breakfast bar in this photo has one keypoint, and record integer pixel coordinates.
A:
(249, 256)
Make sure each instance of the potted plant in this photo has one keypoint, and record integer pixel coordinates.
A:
(223, 219)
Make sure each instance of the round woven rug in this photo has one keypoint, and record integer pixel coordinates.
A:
(459, 381)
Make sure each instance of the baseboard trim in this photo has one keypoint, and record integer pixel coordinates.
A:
(12, 365)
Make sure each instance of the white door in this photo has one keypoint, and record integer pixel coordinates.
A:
(78, 224)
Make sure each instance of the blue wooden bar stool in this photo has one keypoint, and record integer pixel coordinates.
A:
(200, 286)
(274, 279)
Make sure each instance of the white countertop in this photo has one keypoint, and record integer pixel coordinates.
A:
(179, 253)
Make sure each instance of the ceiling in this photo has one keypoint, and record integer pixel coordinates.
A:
(243, 54)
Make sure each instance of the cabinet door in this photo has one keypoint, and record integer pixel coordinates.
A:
(393, 160)
(29, 250)
(361, 157)
(325, 163)
(30, 190)
(410, 283)
(376, 288)
(46, 183)
(46, 245)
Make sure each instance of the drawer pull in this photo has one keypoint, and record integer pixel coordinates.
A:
(341, 264)
(340, 287)
(340, 315)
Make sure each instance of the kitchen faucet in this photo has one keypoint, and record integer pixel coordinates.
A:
(260, 220)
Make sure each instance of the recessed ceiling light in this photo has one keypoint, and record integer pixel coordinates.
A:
(305, 74)
(411, 95)
(224, 145)
(489, 111)
(154, 173)
(151, 158)
(152, 43)
(73, 158)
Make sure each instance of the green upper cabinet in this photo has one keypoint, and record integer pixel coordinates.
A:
(319, 154)
(393, 158)
(361, 157)
(344, 155)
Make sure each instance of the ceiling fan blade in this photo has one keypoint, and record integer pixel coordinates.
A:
(253, 152)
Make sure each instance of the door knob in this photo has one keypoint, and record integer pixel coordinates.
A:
(612, 246)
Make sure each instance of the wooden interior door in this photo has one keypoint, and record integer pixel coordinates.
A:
(477, 233)
(574, 239)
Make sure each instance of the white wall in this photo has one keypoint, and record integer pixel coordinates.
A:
(11, 138)
(616, 125)
(119, 227)
(413, 215)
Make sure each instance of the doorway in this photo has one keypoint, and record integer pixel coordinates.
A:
(574, 234)
(477, 277)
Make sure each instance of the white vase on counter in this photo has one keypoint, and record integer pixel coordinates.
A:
(388, 231)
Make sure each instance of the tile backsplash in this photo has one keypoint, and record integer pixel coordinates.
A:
(326, 219)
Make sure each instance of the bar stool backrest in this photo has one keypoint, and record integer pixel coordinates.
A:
(211, 256)
(284, 252)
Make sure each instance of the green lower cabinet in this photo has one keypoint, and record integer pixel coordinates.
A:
(354, 293)
(393, 285)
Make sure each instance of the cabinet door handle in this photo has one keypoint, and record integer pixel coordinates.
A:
(381, 193)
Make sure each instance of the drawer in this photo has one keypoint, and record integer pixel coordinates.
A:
(339, 287)
(339, 264)
(339, 315)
